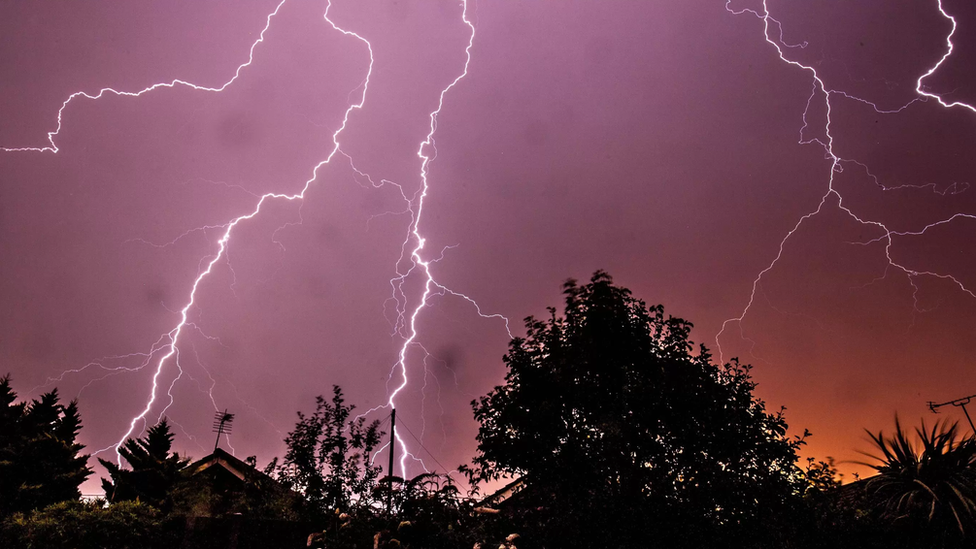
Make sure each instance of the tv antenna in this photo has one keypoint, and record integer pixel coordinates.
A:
(958, 403)
(223, 424)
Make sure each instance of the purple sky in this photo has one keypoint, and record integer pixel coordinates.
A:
(665, 142)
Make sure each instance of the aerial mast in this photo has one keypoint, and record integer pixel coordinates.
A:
(223, 422)
(959, 403)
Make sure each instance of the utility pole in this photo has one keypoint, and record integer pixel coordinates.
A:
(959, 403)
(389, 471)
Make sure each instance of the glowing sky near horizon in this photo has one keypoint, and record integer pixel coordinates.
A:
(667, 143)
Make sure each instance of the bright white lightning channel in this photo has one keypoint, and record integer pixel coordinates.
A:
(426, 152)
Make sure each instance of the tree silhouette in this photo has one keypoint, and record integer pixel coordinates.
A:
(153, 471)
(39, 461)
(329, 456)
(621, 431)
(421, 497)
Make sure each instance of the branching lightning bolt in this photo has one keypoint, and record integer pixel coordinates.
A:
(837, 166)
(167, 348)
(172, 338)
(174, 335)
(426, 152)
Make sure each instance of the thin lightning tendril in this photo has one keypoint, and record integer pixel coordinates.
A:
(837, 166)
(53, 148)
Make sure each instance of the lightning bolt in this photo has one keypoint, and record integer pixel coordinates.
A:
(773, 35)
(174, 335)
(427, 152)
(169, 342)
(166, 351)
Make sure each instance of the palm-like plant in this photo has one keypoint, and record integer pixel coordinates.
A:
(932, 481)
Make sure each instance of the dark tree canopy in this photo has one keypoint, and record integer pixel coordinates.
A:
(607, 411)
(39, 457)
(90, 525)
(329, 456)
(153, 469)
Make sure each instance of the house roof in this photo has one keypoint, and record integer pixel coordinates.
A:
(853, 492)
(222, 460)
(494, 502)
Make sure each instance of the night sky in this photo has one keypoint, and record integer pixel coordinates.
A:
(811, 215)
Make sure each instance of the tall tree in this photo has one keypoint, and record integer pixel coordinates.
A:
(329, 456)
(153, 472)
(39, 456)
(618, 428)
